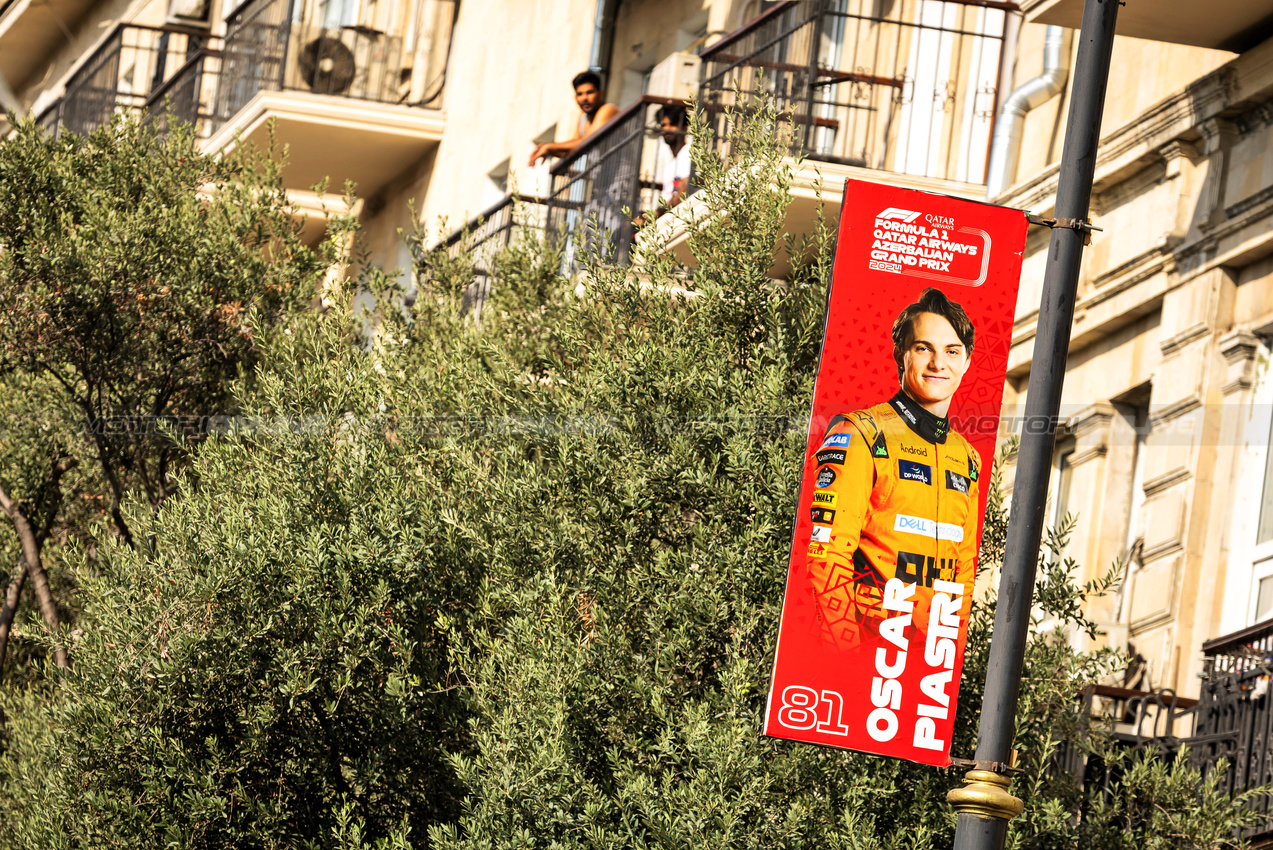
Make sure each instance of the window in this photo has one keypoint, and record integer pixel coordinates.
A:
(496, 184)
(334, 14)
(1264, 599)
(1253, 517)
(1264, 528)
(1062, 476)
(754, 9)
(1129, 432)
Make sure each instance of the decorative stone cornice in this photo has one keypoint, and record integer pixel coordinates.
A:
(1248, 203)
(1090, 428)
(1126, 150)
(1174, 411)
(1163, 482)
(1239, 348)
(1218, 136)
(1177, 341)
(1178, 149)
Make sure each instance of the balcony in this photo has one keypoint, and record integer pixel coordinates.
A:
(125, 72)
(903, 93)
(1232, 720)
(355, 92)
(903, 88)
(504, 223)
(612, 169)
(1234, 25)
(356, 101)
(30, 30)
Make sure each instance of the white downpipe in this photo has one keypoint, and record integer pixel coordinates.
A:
(1005, 146)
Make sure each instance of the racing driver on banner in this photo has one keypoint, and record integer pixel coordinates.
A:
(896, 491)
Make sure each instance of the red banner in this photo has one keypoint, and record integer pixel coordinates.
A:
(901, 440)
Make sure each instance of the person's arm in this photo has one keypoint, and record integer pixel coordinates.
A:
(547, 149)
(682, 167)
(680, 183)
(838, 511)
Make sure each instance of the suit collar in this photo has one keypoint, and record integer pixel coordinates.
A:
(930, 427)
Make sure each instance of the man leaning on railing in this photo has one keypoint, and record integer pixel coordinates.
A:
(594, 112)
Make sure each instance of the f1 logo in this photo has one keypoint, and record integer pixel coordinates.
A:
(906, 216)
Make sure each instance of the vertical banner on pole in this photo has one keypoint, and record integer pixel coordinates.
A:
(893, 492)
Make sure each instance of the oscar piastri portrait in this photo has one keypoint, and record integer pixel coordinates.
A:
(896, 491)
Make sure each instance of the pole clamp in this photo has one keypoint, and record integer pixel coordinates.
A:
(993, 766)
(1082, 225)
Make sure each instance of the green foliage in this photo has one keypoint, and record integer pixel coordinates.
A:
(517, 587)
(136, 277)
(134, 273)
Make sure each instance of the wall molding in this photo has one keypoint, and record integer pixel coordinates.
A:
(1177, 341)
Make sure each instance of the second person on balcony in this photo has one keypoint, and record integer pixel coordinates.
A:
(594, 113)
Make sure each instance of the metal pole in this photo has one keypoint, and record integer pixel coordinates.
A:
(984, 804)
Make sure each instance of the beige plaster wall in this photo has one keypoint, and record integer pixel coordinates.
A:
(1253, 301)
(1142, 73)
(501, 94)
(648, 31)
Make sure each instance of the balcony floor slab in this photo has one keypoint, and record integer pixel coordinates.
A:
(815, 185)
(1233, 25)
(335, 138)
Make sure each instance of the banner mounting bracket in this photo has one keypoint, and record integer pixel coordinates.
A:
(1082, 225)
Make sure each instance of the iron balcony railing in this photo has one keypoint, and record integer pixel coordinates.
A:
(612, 170)
(1236, 710)
(513, 217)
(122, 73)
(1231, 721)
(496, 228)
(187, 96)
(381, 52)
(908, 87)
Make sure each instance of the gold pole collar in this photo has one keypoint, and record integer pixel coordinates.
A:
(985, 794)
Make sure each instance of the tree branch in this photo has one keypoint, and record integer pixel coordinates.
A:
(39, 578)
(10, 609)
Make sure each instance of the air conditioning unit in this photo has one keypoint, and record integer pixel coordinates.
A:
(355, 61)
(676, 76)
(190, 13)
(327, 64)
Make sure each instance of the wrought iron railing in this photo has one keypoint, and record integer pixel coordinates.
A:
(388, 53)
(612, 170)
(1159, 721)
(489, 232)
(48, 118)
(391, 53)
(906, 87)
(188, 96)
(1231, 721)
(121, 74)
(1236, 709)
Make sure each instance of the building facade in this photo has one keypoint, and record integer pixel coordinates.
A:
(1164, 456)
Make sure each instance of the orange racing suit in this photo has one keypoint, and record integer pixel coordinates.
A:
(895, 495)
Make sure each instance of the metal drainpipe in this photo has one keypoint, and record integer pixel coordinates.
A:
(1005, 147)
(603, 39)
